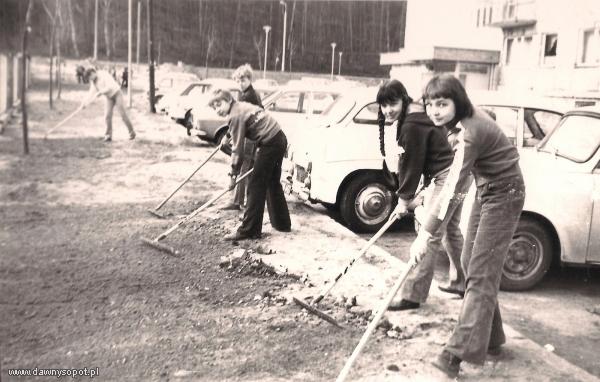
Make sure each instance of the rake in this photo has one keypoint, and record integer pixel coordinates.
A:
(155, 243)
(373, 325)
(311, 308)
(68, 117)
(154, 212)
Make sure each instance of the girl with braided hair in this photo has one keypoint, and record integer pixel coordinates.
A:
(424, 151)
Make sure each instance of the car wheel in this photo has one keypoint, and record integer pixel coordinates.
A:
(529, 256)
(366, 203)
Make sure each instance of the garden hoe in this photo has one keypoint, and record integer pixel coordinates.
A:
(165, 248)
(81, 107)
(311, 308)
(154, 212)
(373, 325)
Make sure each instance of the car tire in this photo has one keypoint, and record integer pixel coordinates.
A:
(529, 256)
(366, 203)
(188, 120)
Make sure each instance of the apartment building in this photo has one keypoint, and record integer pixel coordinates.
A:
(550, 47)
(446, 37)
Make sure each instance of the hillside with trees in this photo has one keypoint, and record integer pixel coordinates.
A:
(216, 33)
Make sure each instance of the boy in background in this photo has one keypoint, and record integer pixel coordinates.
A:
(250, 121)
(243, 76)
(101, 82)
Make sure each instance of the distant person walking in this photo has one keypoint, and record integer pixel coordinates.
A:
(243, 76)
(101, 82)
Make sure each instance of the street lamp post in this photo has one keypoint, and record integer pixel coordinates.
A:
(267, 28)
(284, 32)
(340, 63)
(332, 58)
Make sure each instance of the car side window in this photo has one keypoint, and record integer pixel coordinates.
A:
(289, 102)
(507, 118)
(321, 101)
(368, 115)
(546, 120)
(197, 90)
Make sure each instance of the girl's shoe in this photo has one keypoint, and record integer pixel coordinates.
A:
(448, 363)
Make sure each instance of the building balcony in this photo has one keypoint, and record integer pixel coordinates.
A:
(513, 13)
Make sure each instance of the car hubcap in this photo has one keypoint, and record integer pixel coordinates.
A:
(524, 257)
(373, 204)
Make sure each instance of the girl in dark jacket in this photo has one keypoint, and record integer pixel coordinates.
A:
(424, 151)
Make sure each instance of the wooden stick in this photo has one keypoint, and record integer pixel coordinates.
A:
(373, 325)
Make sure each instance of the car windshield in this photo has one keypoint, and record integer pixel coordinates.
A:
(335, 112)
(577, 138)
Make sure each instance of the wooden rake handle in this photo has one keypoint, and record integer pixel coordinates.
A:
(373, 325)
(200, 209)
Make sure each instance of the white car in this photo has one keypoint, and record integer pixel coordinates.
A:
(561, 217)
(196, 94)
(294, 107)
(340, 164)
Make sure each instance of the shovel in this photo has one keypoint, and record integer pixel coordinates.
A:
(154, 212)
(154, 243)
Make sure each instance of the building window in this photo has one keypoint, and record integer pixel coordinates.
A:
(550, 44)
(590, 52)
(478, 13)
(484, 16)
(490, 16)
(509, 47)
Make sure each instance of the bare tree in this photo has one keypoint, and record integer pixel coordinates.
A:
(107, 42)
(235, 32)
(290, 35)
(23, 78)
(59, 23)
(258, 44)
(211, 38)
(52, 19)
(72, 27)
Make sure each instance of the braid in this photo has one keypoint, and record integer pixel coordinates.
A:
(381, 123)
(402, 116)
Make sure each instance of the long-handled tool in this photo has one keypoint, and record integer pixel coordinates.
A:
(59, 124)
(311, 308)
(161, 247)
(159, 206)
(373, 325)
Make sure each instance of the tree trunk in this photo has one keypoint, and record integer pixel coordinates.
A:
(24, 55)
(258, 46)
(106, 28)
(304, 17)
(350, 27)
(72, 27)
(211, 40)
(387, 27)
(235, 33)
(59, 23)
(291, 34)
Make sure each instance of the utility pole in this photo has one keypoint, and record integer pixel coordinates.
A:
(267, 28)
(137, 45)
(150, 56)
(96, 31)
(332, 58)
(284, 32)
(129, 50)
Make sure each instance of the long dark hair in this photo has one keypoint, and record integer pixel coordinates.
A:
(391, 91)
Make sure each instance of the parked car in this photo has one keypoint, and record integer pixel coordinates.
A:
(561, 217)
(292, 106)
(525, 119)
(341, 167)
(196, 94)
(168, 81)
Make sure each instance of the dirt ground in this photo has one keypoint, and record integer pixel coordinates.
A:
(78, 289)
